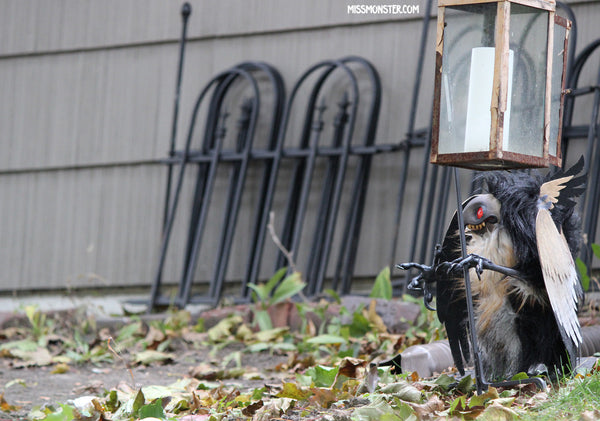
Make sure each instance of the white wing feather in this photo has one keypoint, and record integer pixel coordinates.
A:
(560, 274)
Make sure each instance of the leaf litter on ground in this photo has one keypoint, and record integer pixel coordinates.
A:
(331, 371)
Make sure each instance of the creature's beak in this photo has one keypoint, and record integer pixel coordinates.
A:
(482, 213)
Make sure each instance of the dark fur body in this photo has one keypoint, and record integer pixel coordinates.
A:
(534, 321)
(516, 326)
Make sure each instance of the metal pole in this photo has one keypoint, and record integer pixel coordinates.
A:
(469, 295)
(186, 11)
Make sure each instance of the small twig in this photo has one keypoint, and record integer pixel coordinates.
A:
(116, 354)
(288, 254)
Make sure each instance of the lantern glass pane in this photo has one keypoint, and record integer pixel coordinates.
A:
(560, 33)
(468, 29)
(527, 89)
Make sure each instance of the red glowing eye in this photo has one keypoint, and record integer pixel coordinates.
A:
(480, 213)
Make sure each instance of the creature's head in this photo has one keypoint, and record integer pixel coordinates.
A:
(482, 214)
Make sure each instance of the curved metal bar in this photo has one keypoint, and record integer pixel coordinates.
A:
(295, 213)
(211, 131)
(238, 178)
(349, 243)
(339, 181)
(175, 200)
(185, 285)
(294, 203)
(333, 162)
(263, 206)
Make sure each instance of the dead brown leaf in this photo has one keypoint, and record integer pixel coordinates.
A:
(193, 337)
(428, 409)
(154, 337)
(251, 409)
(496, 411)
(351, 367)
(60, 368)
(5, 406)
(374, 318)
(323, 396)
(40, 357)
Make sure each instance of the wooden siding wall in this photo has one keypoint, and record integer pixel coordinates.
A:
(86, 92)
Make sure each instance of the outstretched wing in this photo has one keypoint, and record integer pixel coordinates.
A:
(451, 303)
(556, 259)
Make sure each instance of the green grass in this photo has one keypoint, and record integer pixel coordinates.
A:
(569, 401)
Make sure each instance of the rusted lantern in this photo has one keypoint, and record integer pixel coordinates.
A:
(499, 84)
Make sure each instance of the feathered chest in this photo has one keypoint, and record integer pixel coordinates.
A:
(492, 292)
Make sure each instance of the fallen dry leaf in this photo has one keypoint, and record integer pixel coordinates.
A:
(154, 337)
(39, 357)
(251, 409)
(428, 409)
(350, 367)
(374, 318)
(5, 406)
(60, 368)
(323, 396)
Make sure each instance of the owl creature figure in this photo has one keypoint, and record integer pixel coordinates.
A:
(522, 236)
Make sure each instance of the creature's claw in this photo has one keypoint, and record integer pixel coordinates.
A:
(474, 261)
(457, 266)
(412, 265)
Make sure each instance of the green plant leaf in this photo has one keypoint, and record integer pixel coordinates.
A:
(583, 273)
(360, 325)
(520, 376)
(596, 249)
(465, 384)
(261, 295)
(65, 414)
(275, 279)
(376, 410)
(322, 376)
(289, 287)
(481, 400)
(459, 404)
(333, 294)
(326, 339)
(112, 401)
(263, 320)
(154, 410)
(444, 381)
(383, 285)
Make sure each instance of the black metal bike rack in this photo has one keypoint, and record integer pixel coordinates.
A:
(350, 75)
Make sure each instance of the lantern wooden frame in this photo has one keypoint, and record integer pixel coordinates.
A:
(496, 157)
